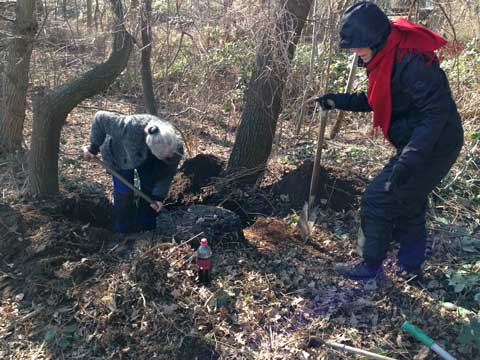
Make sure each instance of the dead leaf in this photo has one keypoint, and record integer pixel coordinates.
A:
(422, 354)
(168, 309)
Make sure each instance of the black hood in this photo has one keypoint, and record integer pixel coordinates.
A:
(364, 25)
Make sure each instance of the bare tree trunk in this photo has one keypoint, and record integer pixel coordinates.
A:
(96, 14)
(256, 131)
(24, 30)
(51, 109)
(89, 13)
(147, 82)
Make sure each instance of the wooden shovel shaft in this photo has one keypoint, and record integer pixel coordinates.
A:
(318, 156)
(124, 181)
(341, 115)
(358, 351)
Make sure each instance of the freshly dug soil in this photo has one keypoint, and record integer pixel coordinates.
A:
(337, 189)
(192, 176)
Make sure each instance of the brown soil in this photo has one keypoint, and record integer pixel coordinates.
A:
(337, 188)
(194, 174)
(199, 181)
(94, 209)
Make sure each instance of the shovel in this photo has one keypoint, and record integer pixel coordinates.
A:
(127, 183)
(308, 215)
(316, 165)
(426, 340)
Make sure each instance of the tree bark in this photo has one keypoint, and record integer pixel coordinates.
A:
(24, 30)
(51, 109)
(256, 131)
(89, 13)
(147, 82)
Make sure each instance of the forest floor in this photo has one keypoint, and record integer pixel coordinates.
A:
(71, 289)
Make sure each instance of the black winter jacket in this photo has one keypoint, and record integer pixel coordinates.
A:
(425, 122)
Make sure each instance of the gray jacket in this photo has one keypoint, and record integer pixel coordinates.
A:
(121, 141)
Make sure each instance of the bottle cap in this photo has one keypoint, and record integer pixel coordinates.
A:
(203, 241)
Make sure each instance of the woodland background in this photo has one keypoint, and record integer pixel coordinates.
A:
(238, 79)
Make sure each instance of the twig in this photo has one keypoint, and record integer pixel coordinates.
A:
(9, 328)
(156, 247)
(8, 229)
(6, 18)
(184, 243)
(40, 29)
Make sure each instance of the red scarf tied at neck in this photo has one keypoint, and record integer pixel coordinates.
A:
(406, 36)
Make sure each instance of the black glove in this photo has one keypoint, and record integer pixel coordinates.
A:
(94, 149)
(327, 101)
(399, 176)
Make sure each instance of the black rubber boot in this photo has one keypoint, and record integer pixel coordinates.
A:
(359, 271)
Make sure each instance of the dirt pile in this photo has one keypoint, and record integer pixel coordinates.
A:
(192, 176)
(199, 181)
(337, 188)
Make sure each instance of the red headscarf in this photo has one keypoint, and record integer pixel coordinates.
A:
(405, 36)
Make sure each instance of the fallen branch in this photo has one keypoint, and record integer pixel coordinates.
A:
(9, 328)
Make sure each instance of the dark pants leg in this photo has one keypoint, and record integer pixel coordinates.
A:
(411, 233)
(376, 218)
(399, 215)
(123, 206)
(146, 216)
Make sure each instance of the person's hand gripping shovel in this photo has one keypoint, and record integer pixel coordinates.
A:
(155, 205)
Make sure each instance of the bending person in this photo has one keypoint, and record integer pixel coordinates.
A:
(143, 143)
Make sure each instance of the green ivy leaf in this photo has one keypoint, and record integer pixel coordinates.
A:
(50, 335)
(70, 329)
(63, 343)
(442, 220)
(471, 333)
(474, 135)
(449, 306)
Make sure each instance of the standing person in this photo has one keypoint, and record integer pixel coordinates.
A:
(412, 105)
(143, 143)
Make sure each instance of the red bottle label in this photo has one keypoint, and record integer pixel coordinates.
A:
(204, 264)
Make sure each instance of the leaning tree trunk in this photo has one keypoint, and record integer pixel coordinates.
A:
(147, 82)
(12, 119)
(256, 131)
(51, 109)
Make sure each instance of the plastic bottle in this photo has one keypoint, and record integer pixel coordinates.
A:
(204, 262)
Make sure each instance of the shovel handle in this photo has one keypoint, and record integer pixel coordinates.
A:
(127, 183)
(417, 333)
(316, 165)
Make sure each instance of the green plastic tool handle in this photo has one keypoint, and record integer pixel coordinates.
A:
(419, 334)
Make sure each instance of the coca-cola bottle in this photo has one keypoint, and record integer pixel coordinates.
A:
(204, 262)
